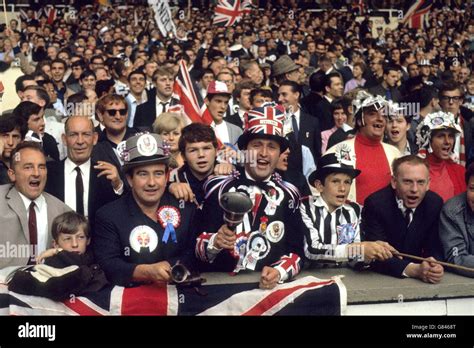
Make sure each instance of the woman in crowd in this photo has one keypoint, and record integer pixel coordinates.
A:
(169, 125)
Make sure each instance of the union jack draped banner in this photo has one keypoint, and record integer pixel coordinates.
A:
(305, 296)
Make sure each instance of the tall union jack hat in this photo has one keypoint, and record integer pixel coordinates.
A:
(265, 123)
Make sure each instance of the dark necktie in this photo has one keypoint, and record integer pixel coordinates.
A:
(33, 231)
(408, 216)
(294, 124)
(163, 106)
(327, 229)
(388, 94)
(79, 192)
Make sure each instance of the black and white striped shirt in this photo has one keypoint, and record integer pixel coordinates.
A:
(344, 222)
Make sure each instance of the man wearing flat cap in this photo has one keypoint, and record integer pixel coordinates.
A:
(264, 241)
(283, 69)
(141, 235)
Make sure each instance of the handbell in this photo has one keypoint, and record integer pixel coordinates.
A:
(235, 205)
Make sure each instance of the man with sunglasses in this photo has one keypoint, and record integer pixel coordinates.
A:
(451, 98)
(112, 110)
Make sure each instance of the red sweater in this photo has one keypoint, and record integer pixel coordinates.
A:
(446, 177)
(372, 161)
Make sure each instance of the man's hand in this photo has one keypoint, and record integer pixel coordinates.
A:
(225, 238)
(181, 190)
(156, 272)
(269, 278)
(110, 172)
(435, 272)
(223, 169)
(378, 250)
(428, 272)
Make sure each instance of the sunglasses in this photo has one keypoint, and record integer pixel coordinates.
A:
(113, 112)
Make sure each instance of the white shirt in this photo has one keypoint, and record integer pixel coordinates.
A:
(41, 209)
(288, 124)
(70, 175)
(221, 131)
(56, 130)
(132, 106)
(159, 106)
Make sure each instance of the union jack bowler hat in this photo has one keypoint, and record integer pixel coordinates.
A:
(264, 123)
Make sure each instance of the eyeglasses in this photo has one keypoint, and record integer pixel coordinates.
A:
(455, 98)
(113, 112)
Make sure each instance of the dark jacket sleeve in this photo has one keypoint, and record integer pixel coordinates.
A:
(373, 229)
(107, 249)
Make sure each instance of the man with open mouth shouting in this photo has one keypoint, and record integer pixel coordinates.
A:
(264, 241)
(372, 156)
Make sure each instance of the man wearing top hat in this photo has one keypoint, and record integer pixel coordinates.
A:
(333, 224)
(141, 235)
(257, 243)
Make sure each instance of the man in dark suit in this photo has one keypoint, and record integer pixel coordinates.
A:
(388, 87)
(77, 181)
(305, 127)
(333, 88)
(158, 103)
(406, 214)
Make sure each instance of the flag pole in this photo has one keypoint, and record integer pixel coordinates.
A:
(189, 9)
(5, 13)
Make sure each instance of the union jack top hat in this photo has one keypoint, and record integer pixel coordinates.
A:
(265, 122)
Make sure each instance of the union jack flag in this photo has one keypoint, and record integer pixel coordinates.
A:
(229, 12)
(185, 90)
(304, 296)
(266, 120)
(415, 14)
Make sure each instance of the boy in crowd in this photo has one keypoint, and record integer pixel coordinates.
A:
(333, 224)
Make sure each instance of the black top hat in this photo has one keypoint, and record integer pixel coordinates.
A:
(334, 163)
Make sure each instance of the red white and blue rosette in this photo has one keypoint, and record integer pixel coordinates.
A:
(170, 218)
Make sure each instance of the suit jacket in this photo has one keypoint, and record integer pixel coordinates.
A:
(235, 120)
(145, 114)
(309, 134)
(383, 220)
(380, 90)
(324, 114)
(100, 189)
(456, 231)
(14, 222)
(233, 131)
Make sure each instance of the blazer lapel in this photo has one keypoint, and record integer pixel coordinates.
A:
(15, 202)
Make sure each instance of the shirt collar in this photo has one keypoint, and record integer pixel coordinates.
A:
(158, 100)
(39, 201)
(248, 176)
(401, 206)
(70, 167)
(319, 202)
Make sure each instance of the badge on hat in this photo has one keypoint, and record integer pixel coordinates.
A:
(170, 218)
(143, 236)
(343, 154)
(147, 145)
